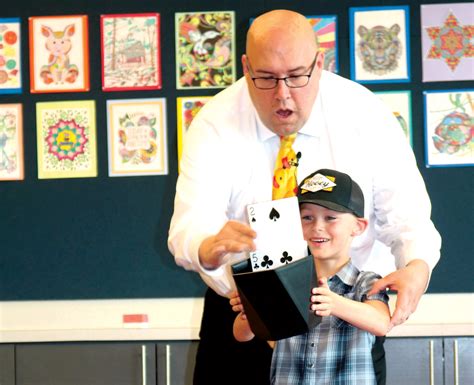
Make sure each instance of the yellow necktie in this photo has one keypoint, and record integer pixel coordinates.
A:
(285, 184)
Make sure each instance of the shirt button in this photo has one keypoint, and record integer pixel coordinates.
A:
(312, 344)
(311, 365)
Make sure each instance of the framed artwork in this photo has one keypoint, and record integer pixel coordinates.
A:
(399, 103)
(130, 47)
(205, 49)
(10, 60)
(379, 44)
(187, 109)
(11, 142)
(59, 60)
(325, 29)
(137, 137)
(66, 139)
(449, 128)
(447, 41)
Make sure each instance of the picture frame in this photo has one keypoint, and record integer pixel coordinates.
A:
(373, 60)
(399, 103)
(64, 69)
(10, 56)
(11, 142)
(130, 51)
(325, 29)
(449, 117)
(66, 139)
(205, 49)
(447, 50)
(187, 108)
(137, 138)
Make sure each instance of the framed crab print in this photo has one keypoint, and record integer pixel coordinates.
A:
(447, 41)
(399, 103)
(379, 44)
(66, 139)
(11, 142)
(10, 52)
(325, 30)
(449, 128)
(130, 48)
(187, 109)
(137, 137)
(59, 54)
(205, 49)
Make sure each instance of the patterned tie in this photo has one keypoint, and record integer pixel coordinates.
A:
(285, 184)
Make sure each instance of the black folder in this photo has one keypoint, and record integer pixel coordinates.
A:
(277, 302)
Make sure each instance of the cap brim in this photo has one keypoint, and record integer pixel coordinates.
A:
(326, 204)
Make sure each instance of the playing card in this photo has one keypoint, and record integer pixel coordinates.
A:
(279, 233)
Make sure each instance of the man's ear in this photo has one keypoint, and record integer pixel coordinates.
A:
(245, 68)
(360, 226)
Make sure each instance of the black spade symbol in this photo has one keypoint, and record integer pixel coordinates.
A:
(254, 220)
(274, 215)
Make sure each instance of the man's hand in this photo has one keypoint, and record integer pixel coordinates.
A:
(410, 283)
(234, 237)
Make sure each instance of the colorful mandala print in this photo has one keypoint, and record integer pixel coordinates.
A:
(451, 42)
(325, 31)
(191, 108)
(137, 138)
(205, 50)
(379, 48)
(66, 136)
(455, 132)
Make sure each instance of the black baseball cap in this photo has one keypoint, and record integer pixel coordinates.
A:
(334, 190)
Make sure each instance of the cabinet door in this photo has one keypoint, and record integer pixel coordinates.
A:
(414, 361)
(175, 362)
(86, 364)
(459, 360)
(7, 364)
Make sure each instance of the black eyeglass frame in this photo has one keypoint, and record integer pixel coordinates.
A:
(285, 79)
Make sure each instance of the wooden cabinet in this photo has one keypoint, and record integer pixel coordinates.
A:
(430, 361)
(86, 364)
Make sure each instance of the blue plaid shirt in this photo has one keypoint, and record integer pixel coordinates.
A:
(334, 352)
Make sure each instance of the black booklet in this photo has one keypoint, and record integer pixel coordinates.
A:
(277, 302)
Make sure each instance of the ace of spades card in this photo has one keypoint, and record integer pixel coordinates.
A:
(279, 233)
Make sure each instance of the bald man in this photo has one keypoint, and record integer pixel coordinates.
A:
(228, 161)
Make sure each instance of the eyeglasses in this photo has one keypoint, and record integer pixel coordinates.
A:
(294, 81)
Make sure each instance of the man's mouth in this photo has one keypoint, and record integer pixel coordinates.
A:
(284, 113)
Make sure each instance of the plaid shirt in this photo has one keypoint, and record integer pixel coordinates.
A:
(334, 352)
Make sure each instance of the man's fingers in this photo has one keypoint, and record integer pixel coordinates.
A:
(399, 316)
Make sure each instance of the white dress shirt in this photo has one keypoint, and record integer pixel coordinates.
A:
(229, 156)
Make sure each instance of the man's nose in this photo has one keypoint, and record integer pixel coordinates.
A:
(282, 90)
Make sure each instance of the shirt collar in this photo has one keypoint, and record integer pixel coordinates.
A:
(313, 126)
(348, 274)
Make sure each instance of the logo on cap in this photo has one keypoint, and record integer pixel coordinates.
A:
(318, 182)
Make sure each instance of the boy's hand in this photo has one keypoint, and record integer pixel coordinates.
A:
(322, 300)
(236, 303)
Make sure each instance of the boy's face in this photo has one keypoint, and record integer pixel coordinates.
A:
(329, 233)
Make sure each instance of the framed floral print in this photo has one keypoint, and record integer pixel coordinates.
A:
(447, 41)
(449, 128)
(187, 109)
(131, 58)
(399, 103)
(10, 52)
(11, 142)
(379, 44)
(205, 49)
(137, 137)
(66, 139)
(59, 54)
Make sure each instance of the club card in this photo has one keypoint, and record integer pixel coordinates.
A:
(279, 233)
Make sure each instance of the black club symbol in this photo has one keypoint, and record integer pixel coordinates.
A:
(286, 258)
(267, 262)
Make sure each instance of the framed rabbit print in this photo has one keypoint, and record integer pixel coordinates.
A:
(59, 59)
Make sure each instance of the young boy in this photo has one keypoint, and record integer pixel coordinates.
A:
(338, 350)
